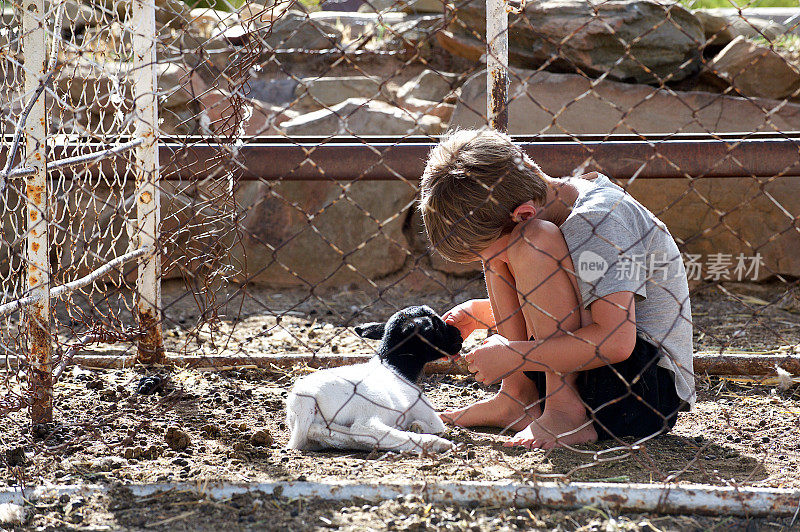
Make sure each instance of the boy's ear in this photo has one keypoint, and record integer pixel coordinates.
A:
(373, 331)
(523, 212)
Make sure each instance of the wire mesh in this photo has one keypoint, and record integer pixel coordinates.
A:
(291, 139)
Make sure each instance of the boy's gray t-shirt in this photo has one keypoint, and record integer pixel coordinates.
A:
(617, 245)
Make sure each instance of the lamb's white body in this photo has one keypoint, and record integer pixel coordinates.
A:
(363, 406)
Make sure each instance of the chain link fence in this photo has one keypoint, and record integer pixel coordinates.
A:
(201, 201)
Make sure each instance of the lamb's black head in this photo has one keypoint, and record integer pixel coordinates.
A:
(413, 337)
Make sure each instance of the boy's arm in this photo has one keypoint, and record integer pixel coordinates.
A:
(501, 311)
(610, 339)
(508, 317)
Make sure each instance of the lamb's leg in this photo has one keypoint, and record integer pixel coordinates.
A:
(389, 438)
(340, 437)
(426, 420)
(374, 434)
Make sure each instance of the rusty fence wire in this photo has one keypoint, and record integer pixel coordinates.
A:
(235, 186)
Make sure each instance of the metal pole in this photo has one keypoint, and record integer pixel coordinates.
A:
(37, 317)
(657, 498)
(497, 64)
(148, 283)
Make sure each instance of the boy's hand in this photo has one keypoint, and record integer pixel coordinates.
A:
(463, 317)
(493, 360)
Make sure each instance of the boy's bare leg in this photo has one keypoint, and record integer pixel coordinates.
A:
(541, 264)
(515, 406)
(564, 421)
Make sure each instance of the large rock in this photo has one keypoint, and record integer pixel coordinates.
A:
(747, 22)
(721, 26)
(106, 88)
(429, 85)
(358, 116)
(77, 16)
(177, 86)
(209, 57)
(255, 118)
(415, 233)
(613, 107)
(325, 92)
(388, 31)
(717, 215)
(209, 23)
(172, 13)
(296, 30)
(346, 236)
(279, 91)
(414, 37)
(102, 43)
(756, 70)
(443, 110)
(730, 216)
(405, 6)
(629, 39)
(355, 24)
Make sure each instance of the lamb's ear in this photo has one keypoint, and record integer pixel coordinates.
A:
(373, 331)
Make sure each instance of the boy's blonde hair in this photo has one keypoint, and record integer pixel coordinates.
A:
(473, 181)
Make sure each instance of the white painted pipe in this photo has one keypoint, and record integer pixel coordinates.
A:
(650, 498)
(497, 64)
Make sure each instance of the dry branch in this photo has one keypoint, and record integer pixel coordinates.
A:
(8, 308)
(92, 337)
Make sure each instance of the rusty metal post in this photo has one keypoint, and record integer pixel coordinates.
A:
(37, 279)
(148, 283)
(497, 64)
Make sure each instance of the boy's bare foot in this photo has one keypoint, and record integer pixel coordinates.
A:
(502, 410)
(554, 429)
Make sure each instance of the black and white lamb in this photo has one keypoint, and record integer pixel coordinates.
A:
(378, 404)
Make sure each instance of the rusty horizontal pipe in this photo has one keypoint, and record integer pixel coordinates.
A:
(741, 364)
(388, 158)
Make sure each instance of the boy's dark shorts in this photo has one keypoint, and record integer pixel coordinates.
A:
(649, 406)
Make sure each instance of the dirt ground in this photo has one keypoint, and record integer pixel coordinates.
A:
(229, 425)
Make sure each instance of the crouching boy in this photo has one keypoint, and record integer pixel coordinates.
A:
(587, 291)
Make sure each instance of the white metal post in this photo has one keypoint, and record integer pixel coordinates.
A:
(37, 316)
(148, 284)
(497, 64)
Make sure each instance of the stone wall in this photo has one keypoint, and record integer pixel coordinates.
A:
(416, 68)
(707, 215)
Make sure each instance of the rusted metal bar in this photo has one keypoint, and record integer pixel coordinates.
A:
(618, 497)
(390, 158)
(620, 159)
(37, 316)
(704, 363)
(497, 64)
(148, 201)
